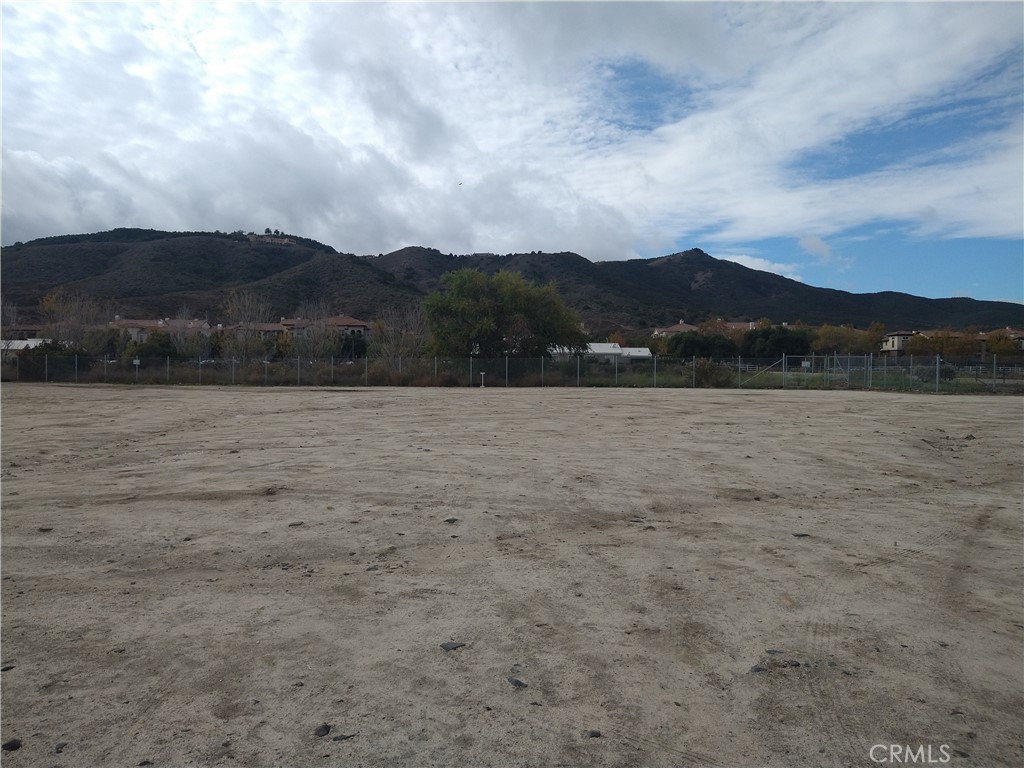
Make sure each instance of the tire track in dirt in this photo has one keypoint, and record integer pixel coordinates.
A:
(823, 628)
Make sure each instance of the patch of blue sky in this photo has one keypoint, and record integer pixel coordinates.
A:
(942, 131)
(884, 256)
(928, 135)
(929, 268)
(634, 96)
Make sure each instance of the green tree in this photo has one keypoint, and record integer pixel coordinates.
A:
(698, 344)
(158, 344)
(773, 342)
(1001, 344)
(921, 344)
(874, 336)
(499, 315)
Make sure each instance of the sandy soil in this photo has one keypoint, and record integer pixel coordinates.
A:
(205, 576)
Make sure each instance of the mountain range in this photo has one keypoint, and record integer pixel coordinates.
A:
(149, 273)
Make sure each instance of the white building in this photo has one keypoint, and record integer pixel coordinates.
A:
(608, 352)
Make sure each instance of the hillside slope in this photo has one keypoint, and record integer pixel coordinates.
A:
(148, 273)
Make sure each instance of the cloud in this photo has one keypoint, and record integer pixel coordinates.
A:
(762, 264)
(502, 127)
(815, 246)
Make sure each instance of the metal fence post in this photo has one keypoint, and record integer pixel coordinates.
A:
(616, 370)
(435, 371)
(578, 371)
(332, 370)
(76, 369)
(783, 370)
(46, 369)
(693, 373)
(200, 370)
(506, 370)
(993, 373)
(739, 372)
(936, 373)
(366, 370)
(542, 371)
(298, 370)
(655, 371)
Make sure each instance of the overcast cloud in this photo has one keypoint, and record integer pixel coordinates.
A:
(613, 130)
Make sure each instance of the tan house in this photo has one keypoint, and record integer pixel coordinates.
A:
(348, 324)
(262, 330)
(671, 330)
(271, 239)
(20, 331)
(137, 330)
(895, 342)
(140, 330)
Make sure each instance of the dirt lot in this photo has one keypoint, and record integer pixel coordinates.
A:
(205, 576)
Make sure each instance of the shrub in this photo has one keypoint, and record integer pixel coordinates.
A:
(927, 372)
(711, 374)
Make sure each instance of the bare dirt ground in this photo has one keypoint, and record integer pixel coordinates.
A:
(205, 576)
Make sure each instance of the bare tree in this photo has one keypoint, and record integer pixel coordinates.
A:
(8, 319)
(74, 319)
(244, 312)
(399, 331)
(317, 339)
(190, 337)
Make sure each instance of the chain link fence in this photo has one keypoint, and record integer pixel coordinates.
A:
(904, 374)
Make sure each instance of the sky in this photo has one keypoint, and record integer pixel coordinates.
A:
(866, 147)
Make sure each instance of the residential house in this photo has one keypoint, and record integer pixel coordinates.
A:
(140, 330)
(671, 330)
(348, 324)
(895, 342)
(271, 239)
(345, 324)
(137, 330)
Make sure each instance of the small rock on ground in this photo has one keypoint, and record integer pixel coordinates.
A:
(451, 646)
(517, 683)
(322, 730)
